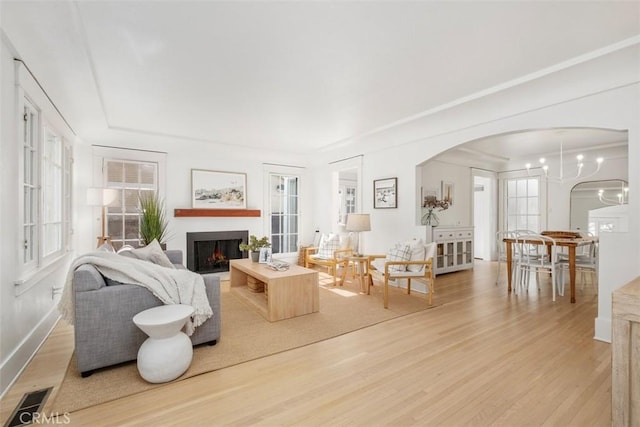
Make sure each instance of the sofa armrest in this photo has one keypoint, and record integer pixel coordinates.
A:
(174, 255)
(87, 278)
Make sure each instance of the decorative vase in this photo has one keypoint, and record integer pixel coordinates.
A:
(430, 218)
(255, 255)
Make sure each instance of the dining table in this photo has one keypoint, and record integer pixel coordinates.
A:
(568, 240)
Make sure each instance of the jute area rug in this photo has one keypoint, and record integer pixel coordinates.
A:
(246, 335)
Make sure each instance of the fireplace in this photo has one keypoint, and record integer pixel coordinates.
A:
(211, 251)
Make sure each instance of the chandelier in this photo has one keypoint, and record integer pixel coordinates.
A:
(561, 178)
(622, 198)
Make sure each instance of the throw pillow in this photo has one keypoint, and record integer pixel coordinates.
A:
(400, 252)
(125, 248)
(152, 253)
(106, 247)
(417, 254)
(329, 243)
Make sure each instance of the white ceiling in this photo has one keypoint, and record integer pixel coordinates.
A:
(498, 152)
(296, 76)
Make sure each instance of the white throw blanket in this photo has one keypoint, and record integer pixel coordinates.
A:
(169, 285)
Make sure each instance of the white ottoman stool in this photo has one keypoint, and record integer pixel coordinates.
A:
(167, 353)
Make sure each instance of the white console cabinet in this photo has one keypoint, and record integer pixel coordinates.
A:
(454, 248)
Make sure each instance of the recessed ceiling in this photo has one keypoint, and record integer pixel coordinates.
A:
(295, 76)
(497, 152)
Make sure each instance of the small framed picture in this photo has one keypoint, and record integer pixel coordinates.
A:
(385, 193)
(447, 192)
(265, 256)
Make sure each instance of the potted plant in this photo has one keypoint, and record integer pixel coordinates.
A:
(254, 246)
(153, 223)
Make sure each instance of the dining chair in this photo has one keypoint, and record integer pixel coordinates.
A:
(563, 252)
(586, 263)
(532, 258)
(532, 250)
(501, 249)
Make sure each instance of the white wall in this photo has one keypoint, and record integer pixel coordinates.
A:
(27, 311)
(613, 272)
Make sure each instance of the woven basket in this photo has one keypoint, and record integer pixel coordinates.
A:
(254, 284)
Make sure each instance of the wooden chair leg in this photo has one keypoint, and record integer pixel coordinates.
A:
(408, 285)
(431, 290)
(344, 275)
(334, 270)
(385, 294)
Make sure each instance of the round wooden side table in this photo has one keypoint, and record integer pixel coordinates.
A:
(362, 263)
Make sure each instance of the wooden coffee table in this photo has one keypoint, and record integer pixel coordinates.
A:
(287, 294)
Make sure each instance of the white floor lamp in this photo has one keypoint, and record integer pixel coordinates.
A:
(102, 197)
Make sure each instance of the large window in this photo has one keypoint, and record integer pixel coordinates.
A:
(46, 189)
(132, 179)
(284, 212)
(30, 137)
(52, 192)
(523, 204)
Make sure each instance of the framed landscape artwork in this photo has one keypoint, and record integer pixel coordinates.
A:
(385, 193)
(218, 190)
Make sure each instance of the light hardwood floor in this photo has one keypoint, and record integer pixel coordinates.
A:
(482, 357)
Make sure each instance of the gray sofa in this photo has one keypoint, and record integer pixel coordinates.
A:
(104, 330)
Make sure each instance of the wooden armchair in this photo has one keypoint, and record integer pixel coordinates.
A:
(331, 253)
(420, 265)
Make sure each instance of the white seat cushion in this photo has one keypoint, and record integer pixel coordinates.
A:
(405, 274)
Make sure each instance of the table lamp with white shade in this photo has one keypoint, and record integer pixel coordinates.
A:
(358, 223)
(102, 197)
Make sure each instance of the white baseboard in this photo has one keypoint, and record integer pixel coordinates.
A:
(22, 355)
(603, 329)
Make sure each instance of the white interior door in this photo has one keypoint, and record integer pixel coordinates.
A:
(485, 205)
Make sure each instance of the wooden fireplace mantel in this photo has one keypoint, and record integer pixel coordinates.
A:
(215, 212)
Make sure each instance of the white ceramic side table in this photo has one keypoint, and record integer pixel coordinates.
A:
(168, 351)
